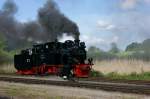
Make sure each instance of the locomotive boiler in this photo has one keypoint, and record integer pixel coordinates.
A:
(60, 58)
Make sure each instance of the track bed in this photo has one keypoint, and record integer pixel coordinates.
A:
(127, 87)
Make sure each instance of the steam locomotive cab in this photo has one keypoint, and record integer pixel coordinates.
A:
(60, 58)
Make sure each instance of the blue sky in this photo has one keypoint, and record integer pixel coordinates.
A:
(101, 22)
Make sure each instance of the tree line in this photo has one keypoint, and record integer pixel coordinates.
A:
(135, 50)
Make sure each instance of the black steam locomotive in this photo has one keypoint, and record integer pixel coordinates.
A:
(60, 58)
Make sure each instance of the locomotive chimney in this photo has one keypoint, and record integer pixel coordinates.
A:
(77, 42)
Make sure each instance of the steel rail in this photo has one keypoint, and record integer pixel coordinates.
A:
(107, 86)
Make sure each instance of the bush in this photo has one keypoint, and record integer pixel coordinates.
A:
(95, 73)
(5, 57)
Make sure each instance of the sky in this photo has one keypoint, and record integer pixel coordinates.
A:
(101, 22)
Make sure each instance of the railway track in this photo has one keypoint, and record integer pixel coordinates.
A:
(107, 86)
(102, 79)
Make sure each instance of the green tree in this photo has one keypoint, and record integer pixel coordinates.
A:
(114, 48)
(133, 46)
(146, 45)
(4, 55)
(2, 42)
(93, 49)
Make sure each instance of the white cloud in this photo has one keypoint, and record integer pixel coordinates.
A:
(132, 4)
(129, 4)
(102, 43)
(115, 39)
(147, 1)
(92, 40)
(105, 25)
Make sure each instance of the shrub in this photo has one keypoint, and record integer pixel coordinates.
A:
(95, 73)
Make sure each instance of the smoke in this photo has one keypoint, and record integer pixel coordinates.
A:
(50, 25)
(8, 24)
(32, 31)
(55, 23)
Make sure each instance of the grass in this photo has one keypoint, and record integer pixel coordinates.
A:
(122, 69)
(122, 66)
(115, 75)
(132, 76)
(7, 69)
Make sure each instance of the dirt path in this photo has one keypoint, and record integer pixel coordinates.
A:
(23, 91)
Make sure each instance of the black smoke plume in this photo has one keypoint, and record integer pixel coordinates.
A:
(55, 23)
(9, 27)
(50, 25)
